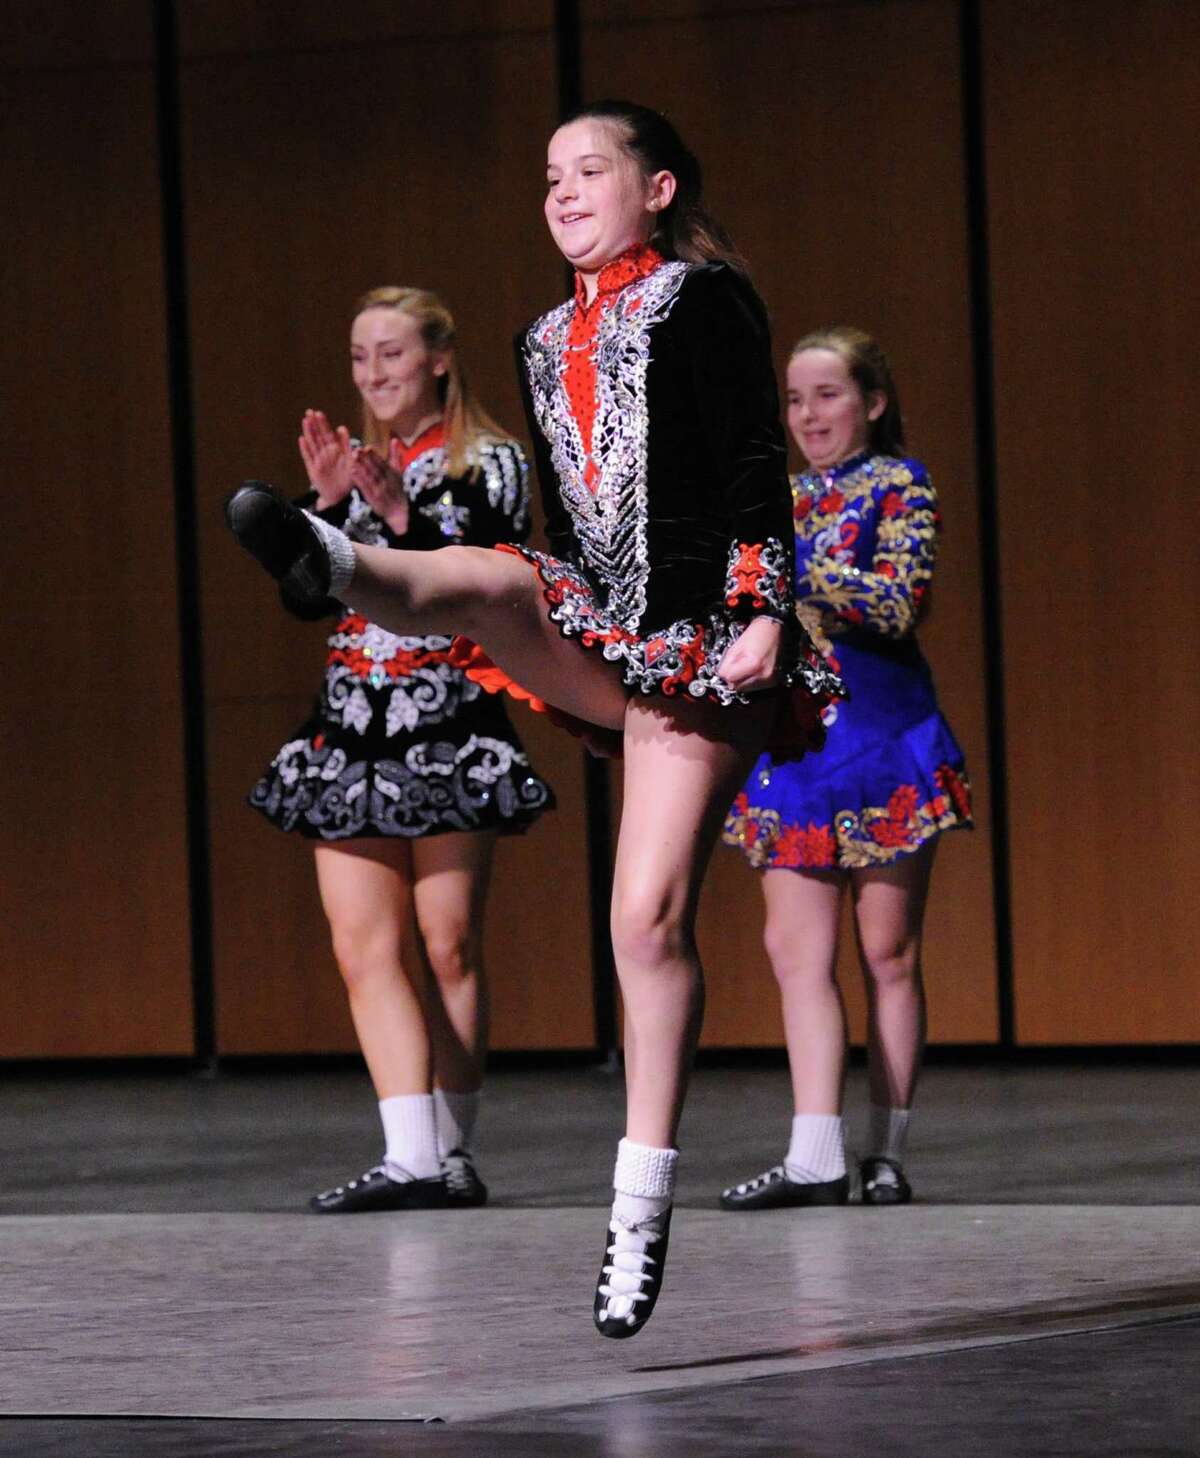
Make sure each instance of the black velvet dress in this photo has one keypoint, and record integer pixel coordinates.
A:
(654, 414)
(400, 741)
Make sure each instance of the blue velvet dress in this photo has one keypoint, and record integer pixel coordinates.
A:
(891, 775)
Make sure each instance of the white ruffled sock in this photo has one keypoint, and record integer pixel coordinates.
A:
(643, 1182)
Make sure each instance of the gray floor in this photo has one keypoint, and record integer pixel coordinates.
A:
(1041, 1297)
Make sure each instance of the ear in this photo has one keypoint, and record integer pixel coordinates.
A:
(660, 191)
(441, 363)
(877, 403)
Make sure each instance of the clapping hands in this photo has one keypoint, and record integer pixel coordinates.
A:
(381, 485)
(328, 457)
(335, 466)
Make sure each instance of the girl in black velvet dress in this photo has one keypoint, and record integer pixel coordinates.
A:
(662, 619)
(406, 771)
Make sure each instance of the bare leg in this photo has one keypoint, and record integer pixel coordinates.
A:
(801, 939)
(366, 890)
(450, 888)
(678, 786)
(889, 907)
(495, 599)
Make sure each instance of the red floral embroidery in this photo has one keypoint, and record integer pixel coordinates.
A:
(830, 502)
(692, 654)
(801, 505)
(812, 846)
(400, 664)
(892, 504)
(951, 781)
(899, 829)
(746, 573)
(579, 364)
(887, 569)
(853, 615)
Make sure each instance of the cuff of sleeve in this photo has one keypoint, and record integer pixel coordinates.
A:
(756, 579)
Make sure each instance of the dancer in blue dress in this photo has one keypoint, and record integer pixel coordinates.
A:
(868, 811)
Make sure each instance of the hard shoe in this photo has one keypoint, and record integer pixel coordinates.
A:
(883, 1182)
(281, 538)
(631, 1275)
(376, 1190)
(773, 1190)
(464, 1188)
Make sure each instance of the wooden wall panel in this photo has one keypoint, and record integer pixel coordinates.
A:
(94, 945)
(377, 148)
(848, 211)
(1091, 120)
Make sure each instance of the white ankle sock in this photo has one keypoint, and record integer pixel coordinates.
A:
(888, 1132)
(340, 551)
(643, 1181)
(456, 1115)
(817, 1152)
(410, 1130)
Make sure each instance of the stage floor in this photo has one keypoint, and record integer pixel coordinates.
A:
(163, 1293)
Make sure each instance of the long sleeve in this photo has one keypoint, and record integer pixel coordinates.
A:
(886, 597)
(738, 406)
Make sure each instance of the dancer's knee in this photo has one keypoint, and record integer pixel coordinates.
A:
(648, 930)
(453, 955)
(891, 962)
(365, 954)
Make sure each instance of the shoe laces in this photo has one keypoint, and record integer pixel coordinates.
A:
(768, 1177)
(631, 1267)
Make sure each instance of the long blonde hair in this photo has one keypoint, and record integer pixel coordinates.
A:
(466, 421)
(871, 372)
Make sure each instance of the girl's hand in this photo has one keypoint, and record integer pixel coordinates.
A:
(381, 486)
(327, 457)
(752, 661)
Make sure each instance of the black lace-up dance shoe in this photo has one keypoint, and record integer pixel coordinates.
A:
(772, 1190)
(883, 1182)
(631, 1275)
(376, 1190)
(464, 1188)
(280, 538)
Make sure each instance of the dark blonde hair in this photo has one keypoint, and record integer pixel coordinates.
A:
(684, 229)
(871, 372)
(466, 421)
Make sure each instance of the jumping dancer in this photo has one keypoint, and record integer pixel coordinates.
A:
(866, 814)
(406, 771)
(662, 616)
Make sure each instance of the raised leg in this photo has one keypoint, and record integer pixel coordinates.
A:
(495, 599)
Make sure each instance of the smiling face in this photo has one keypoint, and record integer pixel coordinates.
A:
(395, 371)
(827, 414)
(598, 202)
